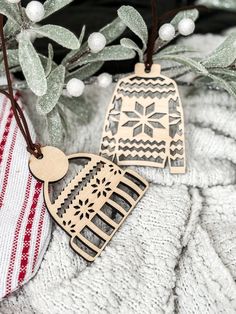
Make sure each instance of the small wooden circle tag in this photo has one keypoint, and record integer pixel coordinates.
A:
(52, 167)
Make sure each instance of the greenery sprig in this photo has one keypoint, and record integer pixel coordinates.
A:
(57, 85)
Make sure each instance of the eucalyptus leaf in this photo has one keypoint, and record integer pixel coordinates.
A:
(81, 107)
(55, 83)
(193, 14)
(115, 52)
(85, 71)
(81, 36)
(10, 10)
(49, 60)
(193, 64)
(173, 49)
(51, 6)
(14, 69)
(32, 66)
(13, 59)
(229, 5)
(11, 28)
(134, 21)
(224, 55)
(202, 81)
(44, 60)
(113, 30)
(225, 73)
(60, 35)
(128, 43)
(55, 128)
(230, 87)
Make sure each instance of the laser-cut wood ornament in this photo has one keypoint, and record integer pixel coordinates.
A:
(96, 201)
(144, 124)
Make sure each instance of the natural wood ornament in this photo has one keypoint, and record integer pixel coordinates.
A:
(144, 123)
(96, 201)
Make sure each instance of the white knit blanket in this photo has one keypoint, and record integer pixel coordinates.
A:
(176, 253)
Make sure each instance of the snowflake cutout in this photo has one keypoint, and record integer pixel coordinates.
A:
(114, 170)
(71, 226)
(101, 187)
(84, 209)
(144, 119)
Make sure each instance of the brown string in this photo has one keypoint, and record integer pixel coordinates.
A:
(170, 14)
(154, 28)
(152, 37)
(17, 111)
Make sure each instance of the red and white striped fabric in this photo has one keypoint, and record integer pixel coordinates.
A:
(24, 222)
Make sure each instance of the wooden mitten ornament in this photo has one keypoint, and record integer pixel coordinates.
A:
(96, 201)
(144, 123)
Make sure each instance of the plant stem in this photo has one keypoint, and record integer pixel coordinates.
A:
(73, 61)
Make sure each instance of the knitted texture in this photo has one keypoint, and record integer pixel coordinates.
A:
(176, 252)
(24, 222)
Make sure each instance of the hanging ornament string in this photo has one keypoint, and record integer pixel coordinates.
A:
(32, 148)
(152, 37)
(87, 193)
(154, 29)
(170, 14)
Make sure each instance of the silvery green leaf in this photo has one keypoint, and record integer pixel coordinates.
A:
(60, 35)
(10, 10)
(11, 28)
(192, 14)
(44, 60)
(85, 71)
(81, 36)
(51, 6)
(134, 21)
(55, 83)
(202, 81)
(173, 49)
(128, 43)
(193, 64)
(113, 30)
(32, 67)
(219, 4)
(176, 71)
(230, 87)
(49, 60)
(15, 69)
(13, 59)
(225, 73)
(81, 107)
(115, 52)
(55, 128)
(224, 55)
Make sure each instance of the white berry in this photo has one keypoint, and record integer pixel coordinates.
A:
(13, 1)
(167, 32)
(186, 26)
(75, 87)
(104, 80)
(35, 11)
(96, 42)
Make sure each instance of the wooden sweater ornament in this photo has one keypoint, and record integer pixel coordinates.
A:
(144, 124)
(96, 201)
